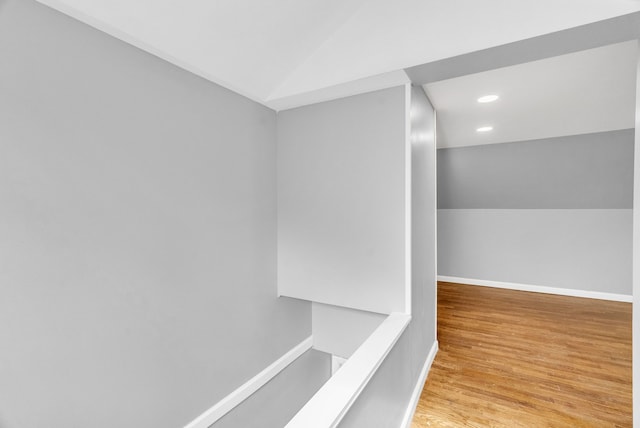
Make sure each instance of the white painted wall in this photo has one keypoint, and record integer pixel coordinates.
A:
(137, 237)
(552, 213)
(389, 398)
(342, 202)
(340, 331)
(562, 248)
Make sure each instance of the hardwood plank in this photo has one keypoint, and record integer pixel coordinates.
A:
(518, 359)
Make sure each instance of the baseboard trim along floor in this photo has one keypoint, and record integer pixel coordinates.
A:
(415, 396)
(539, 289)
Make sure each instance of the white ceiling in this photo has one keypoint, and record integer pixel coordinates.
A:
(578, 93)
(278, 49)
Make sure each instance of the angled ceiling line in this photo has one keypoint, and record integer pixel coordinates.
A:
(273, 94)
(276, 53)
(593, 35)
(61, 6)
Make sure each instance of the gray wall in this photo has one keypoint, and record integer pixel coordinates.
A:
(137, 235)
(579, 172)
(384, 401)
(554, 212)
(342, 169)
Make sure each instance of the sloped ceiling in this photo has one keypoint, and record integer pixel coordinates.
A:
(578, 93)
(270, 50)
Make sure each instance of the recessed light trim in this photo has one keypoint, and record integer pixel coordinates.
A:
(485, 129)
(488, 98)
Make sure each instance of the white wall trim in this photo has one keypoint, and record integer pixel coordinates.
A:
(417, 390)
(330, 404)
(636, 257)
(435, 234)
(539, 289)
(408, 272)
(225, 405)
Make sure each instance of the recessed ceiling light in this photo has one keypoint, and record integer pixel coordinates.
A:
(488, 99)
(485, 129)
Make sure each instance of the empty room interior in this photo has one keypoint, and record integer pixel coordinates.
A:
(319, 214)
(539, 203)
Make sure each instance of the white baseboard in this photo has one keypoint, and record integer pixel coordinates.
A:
(417, 390)
(248, 388)
(539, 289)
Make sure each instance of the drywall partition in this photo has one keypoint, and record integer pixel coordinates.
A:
(138, 235)
(390, 397)
(342, 202)
(553, 214)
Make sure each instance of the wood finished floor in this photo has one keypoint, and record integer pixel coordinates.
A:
(517, 359)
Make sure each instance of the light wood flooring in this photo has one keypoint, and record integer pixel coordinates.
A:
(517, 359)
